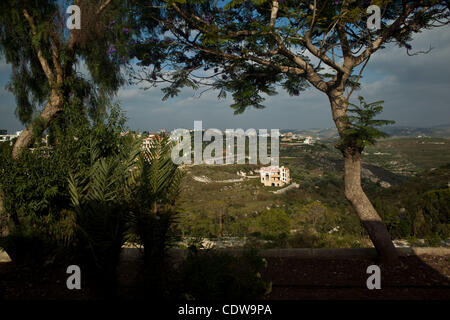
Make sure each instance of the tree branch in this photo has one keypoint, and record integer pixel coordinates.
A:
(56, 57)
(357, 79)
(322, 55)
(418, 52)
(102, 7)
(44, 63)
(73, 39)
(273, 13)
(304, 67)
(389, 32)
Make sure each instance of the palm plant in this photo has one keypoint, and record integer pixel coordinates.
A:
(101, 200)
(129, 192)
(154, 210)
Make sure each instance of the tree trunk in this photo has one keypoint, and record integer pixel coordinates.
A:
(354, 192)
(370, 219)
(52, 107)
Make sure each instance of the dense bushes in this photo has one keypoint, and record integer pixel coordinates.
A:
(436, 210)
(113, 194)
(415, 212)
(112, 190)
(273, 223)
(308, 239)
(154, 214)
(35, 201)
(35, 190)
(78, 201)
(26, 246)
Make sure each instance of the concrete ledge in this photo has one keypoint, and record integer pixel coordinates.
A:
(350, 252)
(417, 251)
(131, 254)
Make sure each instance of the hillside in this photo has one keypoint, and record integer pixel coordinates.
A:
(318, 208)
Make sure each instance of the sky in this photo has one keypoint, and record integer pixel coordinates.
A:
(416, 91)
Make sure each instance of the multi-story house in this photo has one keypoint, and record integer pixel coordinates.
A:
(275, 176)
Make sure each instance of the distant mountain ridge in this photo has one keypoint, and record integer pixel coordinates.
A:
(440, 131)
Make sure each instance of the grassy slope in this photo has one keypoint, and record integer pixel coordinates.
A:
(318, 170)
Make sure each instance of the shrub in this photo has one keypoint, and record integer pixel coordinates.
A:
(273, 223)
(436, 210)
(34, 197)
(28, 247)
(34, 186)
(434, 240)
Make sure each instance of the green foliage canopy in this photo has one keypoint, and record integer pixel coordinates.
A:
(43, 41)
(252, 48)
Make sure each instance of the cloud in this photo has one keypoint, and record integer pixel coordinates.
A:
(8, 120)
(415, 90)
(432, 67)
(147, 111)
(4, 67)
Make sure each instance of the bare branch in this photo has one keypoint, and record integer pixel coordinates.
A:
(311, 74)
(357, 79)
(304, 67)
(346, 51)
(102, 7)
(418, 52)
(55, 59)
(322, 56)
(313, 21)
(273, 13)
(396, 26)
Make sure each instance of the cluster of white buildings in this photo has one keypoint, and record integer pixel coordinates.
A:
(308, 140)
(147, 138)
(289, 136)
(5, 137)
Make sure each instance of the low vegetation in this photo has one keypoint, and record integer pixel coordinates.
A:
(317, 214)
(81, 199)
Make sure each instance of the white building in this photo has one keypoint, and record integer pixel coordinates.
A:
(275, 176)
(308, 140)
(9, 137)
(148, 141)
